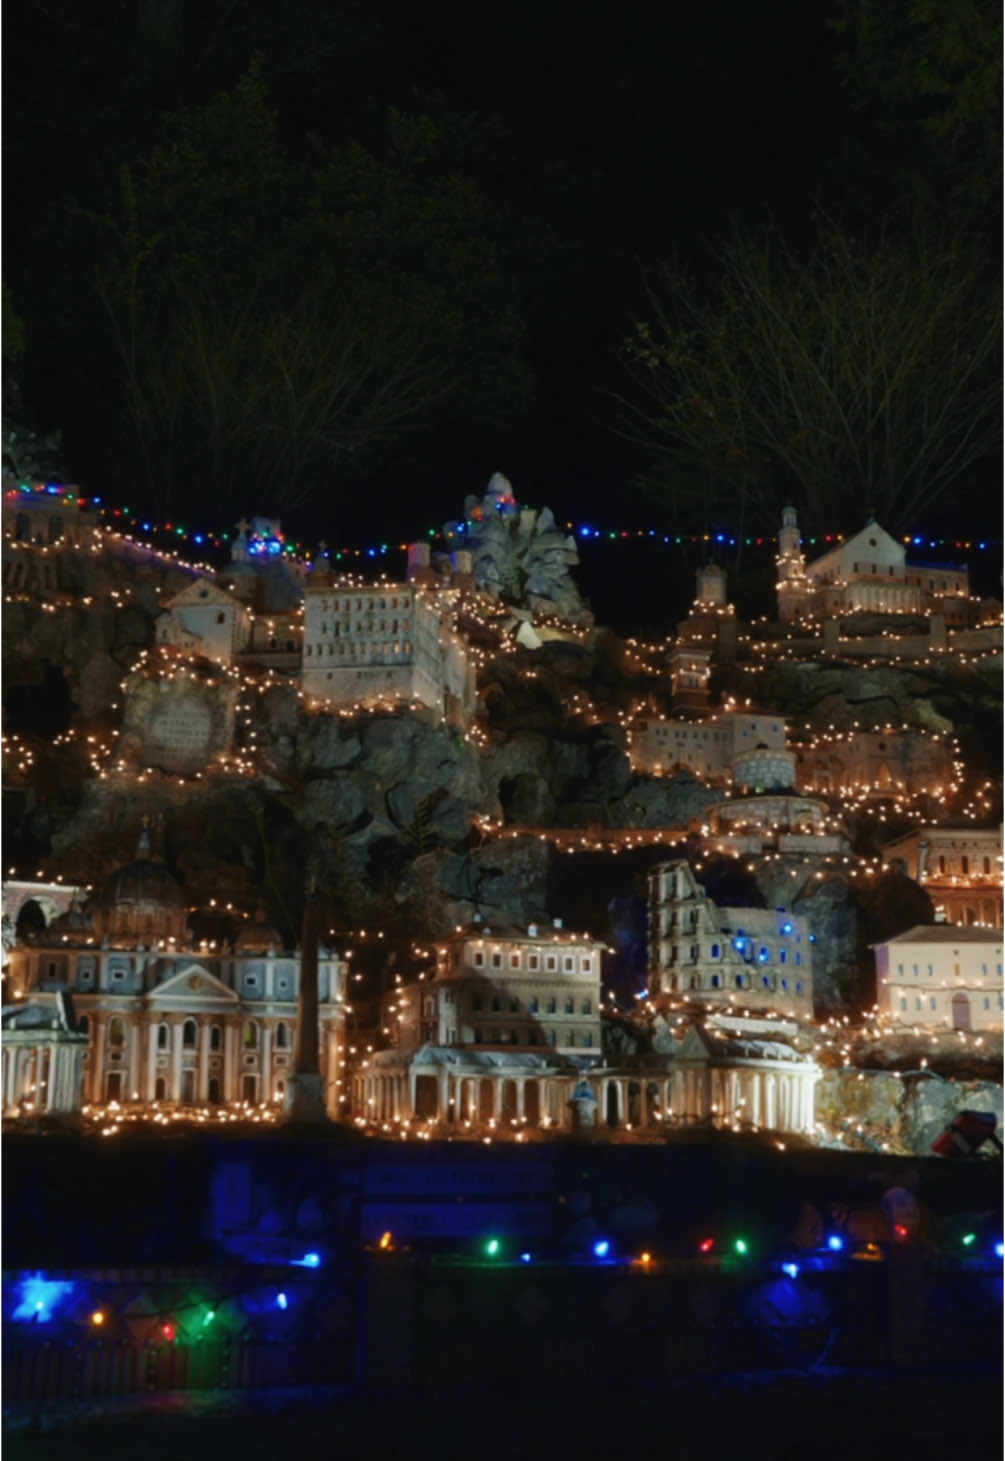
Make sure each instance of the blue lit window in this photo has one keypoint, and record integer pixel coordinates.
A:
(739, 981)
(782, 955)
(785, 984)
(715, 981)
(799, 958)
(799, 986)
(716, 951)
(766, 980)
(764, 956)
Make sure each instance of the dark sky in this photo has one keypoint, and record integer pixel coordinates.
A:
(629, 131)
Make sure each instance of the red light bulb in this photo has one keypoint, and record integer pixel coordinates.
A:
(706, 1245)
(168, 1331)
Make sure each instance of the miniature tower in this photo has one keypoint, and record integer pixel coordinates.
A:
(792, 586)
(710, 585)
(689, 669)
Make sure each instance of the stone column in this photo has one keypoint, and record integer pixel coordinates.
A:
(442, 1093)
(231, 1051)
(174, 1086)
(643, 1103)
(151, 1060)
(755, 1097)
(202, 1078)
(265, 1056)
(497, 1091)
(97, 1056)
(520, 1083)
(412, 1090)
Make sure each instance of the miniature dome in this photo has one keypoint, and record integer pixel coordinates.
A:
(141, 900)
(258, 937)
(73, 926)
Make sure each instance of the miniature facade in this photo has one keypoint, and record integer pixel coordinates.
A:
(941, 977)
(709, 747)
(46, 528)
(382, 643)
(43, 1059)
(204, 619)
(773, 821)
(749, 957)
(867, 573)
(168, 1021)
(959, 867)
(883, 763)
(508, 1021)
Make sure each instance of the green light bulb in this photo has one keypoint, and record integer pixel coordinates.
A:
(740, 1245)
(969, 1238)
(492, 1247)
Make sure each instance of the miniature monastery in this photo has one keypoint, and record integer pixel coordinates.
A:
(754, 958)
(709, 747)
(867, 573)
(386, 642)
(941, 977)
(165, 1020)
(960, 867)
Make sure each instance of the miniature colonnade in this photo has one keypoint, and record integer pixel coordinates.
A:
(774, 1095)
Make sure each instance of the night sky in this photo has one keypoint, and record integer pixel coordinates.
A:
(616, 135)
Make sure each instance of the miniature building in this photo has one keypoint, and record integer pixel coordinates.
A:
(711, 621)
(749, 957)
(875, 763)
(276, 641)
(773, 820)
(168, 1021)
(959, 867)
(738, 1080)
(46, 529)
(43, 1058)
(941, 977)
(207, 620)
(764, 768)
(383, 643)
(867, 573)
(708, 747)
(509, 1021)
(689, 670)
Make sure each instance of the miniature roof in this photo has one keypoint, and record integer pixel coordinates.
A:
(861, 539)
(200, 591)
(944, 933)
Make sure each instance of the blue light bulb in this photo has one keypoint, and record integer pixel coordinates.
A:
(281, 1301)
(1000, 1250)
(601, 1248)
(792, 1269)
(834, 1243)
(524, 1257)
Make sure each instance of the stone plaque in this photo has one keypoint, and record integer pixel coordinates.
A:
(180, 735)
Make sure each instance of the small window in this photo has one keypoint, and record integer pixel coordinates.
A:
(766, 980)
(533, 961)
(587, 1039)
(221, 617)
(799, 958)
(282, 1035)
(188, 1034)
(514, 1006)
(215, 1037)
(739, 981)
(785, 984)
(903, 1002)
(496, 1006)
(782, 955)
(514, 961)
(532, 1006)
(586, 964)
(716, 981)
(116, 1033)
(570, 1007)
(551, 963)
(587, 1007)
(987, 1001)
(497, 961)
(552, 1006)
(479, 959)
(572, 1038)
(716, 951)
(478, 1037)
(250, 1035)
(931, 1002)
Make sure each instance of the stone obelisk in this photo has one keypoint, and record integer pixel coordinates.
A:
(305, 1095)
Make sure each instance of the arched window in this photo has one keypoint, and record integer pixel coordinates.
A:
(160, 1087)
(716, 981)
(214, 1090)
(250, 1035)
(215, 1037)
(162, 1037)
(282, 1036)
(986, 865)
(188, 1034)
(116, 1033)
(965, 863)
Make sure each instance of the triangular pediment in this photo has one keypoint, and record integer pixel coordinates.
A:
(201, 591)
(694, 1046)
(194, 984)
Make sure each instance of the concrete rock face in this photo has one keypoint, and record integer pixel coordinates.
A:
(864, 1109)
(519, 555)
(177, 723)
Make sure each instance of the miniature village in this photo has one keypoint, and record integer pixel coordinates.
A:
(435, 855)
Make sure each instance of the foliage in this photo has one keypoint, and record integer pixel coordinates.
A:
(926, 75)
(272, 316)
(857, 377)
